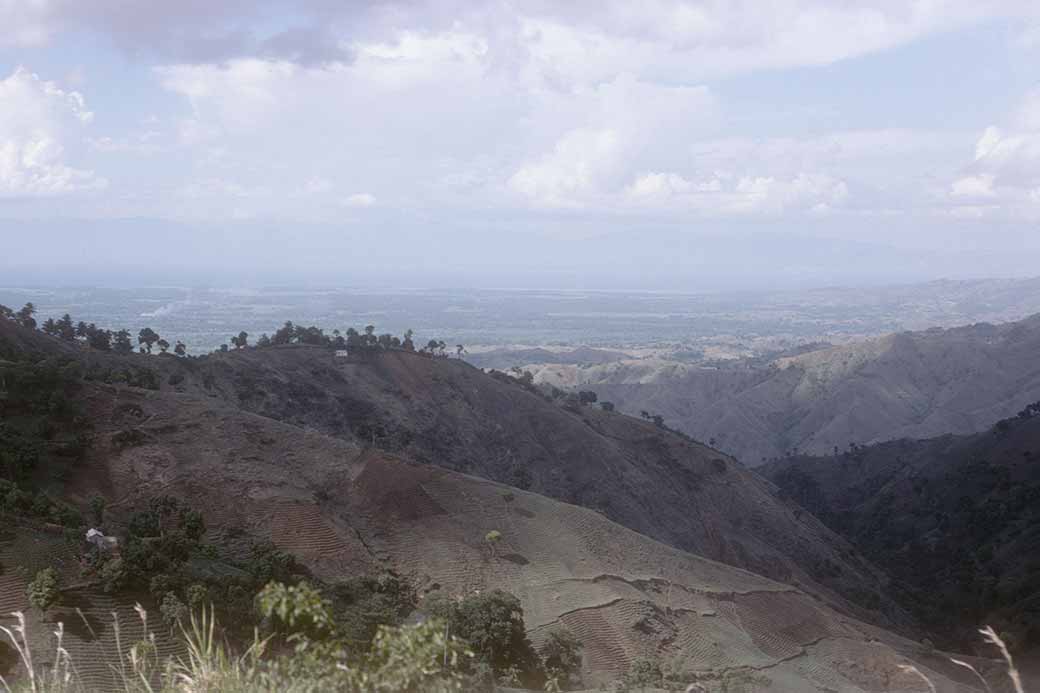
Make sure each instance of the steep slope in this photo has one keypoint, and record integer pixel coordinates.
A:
(447, 413)
(347, 511)
(912, 384)
(955, 519)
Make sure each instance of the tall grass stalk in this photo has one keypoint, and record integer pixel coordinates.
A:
(992, 638)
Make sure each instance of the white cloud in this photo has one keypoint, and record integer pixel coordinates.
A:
(1006, 167)
(769, 195)
(413, 57)
(664, 186)
(571, 172)
(694, 40)
(587, 38)
(36, 122)
(727, 195)
(360, 200)
(973, 186)
(580, 105)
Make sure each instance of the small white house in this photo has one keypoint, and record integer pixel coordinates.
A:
(98, 539)
(342, 353)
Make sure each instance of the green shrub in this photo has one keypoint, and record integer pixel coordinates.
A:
(363, 604)
(297, 610)
(492, 624)
(267, 562)
(561, 657)
(172, 609)
(197, 595)
(42, 591)
(113, 575)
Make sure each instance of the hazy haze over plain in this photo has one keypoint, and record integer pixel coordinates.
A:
(658, 145)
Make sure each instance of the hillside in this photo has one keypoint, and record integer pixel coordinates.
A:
(447, 413)
(344, 510)
(955, 519)
(912, 384)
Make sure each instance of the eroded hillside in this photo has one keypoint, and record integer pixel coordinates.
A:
(345, 510)
(446, 413)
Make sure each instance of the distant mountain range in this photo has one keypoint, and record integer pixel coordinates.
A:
(905, 385)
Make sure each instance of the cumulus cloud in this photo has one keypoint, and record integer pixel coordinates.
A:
(663, 186)
(36, 121)
(1005, 171)
(728, 195)
(584, 40)
(520, 107)
(571, 172)
(973, 186)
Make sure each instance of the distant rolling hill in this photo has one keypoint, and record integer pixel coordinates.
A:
(504, 359)
(911, 384)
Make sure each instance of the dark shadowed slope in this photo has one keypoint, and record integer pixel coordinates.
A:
(955, 519)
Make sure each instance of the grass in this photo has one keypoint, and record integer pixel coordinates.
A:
(403, 660)
(408, 658)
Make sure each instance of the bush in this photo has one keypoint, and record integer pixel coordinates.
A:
(172, 609)
(161, 538)
(113, 575)
(492, 624)
(43, 589)
(296, 610)
(97, 509)
(642, 674)
(267, 562)
(363, 604)
(561, 657)
(197, 595)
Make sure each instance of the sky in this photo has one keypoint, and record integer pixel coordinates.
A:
(680, 145)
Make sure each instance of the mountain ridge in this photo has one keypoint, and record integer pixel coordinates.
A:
(909, 384)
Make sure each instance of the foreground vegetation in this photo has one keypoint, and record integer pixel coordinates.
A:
(469, 644)
(303, 655)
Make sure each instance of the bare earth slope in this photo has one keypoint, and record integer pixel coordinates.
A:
(345, 510)
(912, 384)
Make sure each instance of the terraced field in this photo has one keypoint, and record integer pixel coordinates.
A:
(348, 511)
(98, 630)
